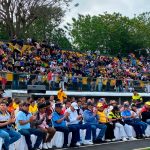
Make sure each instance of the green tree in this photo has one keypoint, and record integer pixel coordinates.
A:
(18, 15)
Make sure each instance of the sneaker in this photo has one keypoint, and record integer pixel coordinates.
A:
(132, 138)
(108, 140)
(49, 145)
(124, 139)
(87, 142)
(78, 144)
(45, 146)
(113, 140)
(65, 146)
(73, 145)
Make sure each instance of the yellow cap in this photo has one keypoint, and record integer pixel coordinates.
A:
(99, 105)
(147, 103)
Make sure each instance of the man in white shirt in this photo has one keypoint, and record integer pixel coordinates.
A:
(75, 121)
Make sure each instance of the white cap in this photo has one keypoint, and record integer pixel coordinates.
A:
(75, 105)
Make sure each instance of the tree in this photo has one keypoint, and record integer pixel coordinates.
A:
(60, 39)
(19, 15)
(110, 32)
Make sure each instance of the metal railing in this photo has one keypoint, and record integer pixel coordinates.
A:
(20, 81)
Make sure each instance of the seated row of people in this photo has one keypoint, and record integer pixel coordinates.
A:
(72, 117)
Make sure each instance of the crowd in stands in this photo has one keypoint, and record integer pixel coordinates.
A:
(71, 70)
(44, 117)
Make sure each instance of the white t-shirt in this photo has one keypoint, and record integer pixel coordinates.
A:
(72, 117)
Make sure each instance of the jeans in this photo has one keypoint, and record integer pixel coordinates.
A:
(82, 126)
(66, 131)
(27, 133)
(10, 136)
(142, 124)
(148, 121)
(102, 128)
(136, 127)
(100, 86)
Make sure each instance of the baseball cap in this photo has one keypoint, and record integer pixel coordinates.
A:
(75, 105)
(126, 105)
(147, 103)
(101, 99)
(99, 105)
(90, 104)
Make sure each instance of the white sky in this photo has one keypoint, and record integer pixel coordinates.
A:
(95, 7)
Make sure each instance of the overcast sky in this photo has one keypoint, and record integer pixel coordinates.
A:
(94, 7)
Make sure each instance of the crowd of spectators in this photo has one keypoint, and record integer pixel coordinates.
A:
(44, 117)
(71, 70)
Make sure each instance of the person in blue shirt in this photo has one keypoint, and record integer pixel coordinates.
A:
(59, 123)
(92, 118)
(128, 119)
(23, 122)
(7, 133)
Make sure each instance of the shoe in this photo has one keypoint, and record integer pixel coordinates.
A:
(73, 145)
(87, 142)
(65, 146)
(45, 146)
(113, 140)
(49, 145)
(124, 139)
(97, 141)
(132, 139)
(78, 144)
(108, 140)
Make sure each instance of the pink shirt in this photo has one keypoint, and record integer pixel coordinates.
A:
(44, 124)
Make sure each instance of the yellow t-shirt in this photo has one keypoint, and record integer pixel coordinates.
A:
(102, 117)
(15, 106)
(33, 109)
(136, 98)
(84, 80)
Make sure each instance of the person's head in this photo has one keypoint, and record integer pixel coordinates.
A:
(41, 107)
(67, 103)
(17, 100)
(100, 107)
(1, 93)
(147, 105)
(32, 102)
(51, 98)
(135, 93)
(113, 103)
(90, 106)
(102, 100)
(48, 104)
(3, 105)
(25, 106)
(133, 107)
(115, 109)
(79, 103)
(9, 101)
(58, 107)
(126, 106)
(42, 100)
(74, 106)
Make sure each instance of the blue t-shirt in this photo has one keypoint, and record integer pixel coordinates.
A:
(56, 116)
(21, 116)
(126, 113)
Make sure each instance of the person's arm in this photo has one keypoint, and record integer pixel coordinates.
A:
(11, 120)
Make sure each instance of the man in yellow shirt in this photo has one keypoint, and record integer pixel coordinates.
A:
(33, 107)
(61, 95)
(109, 134)
(137, 99)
